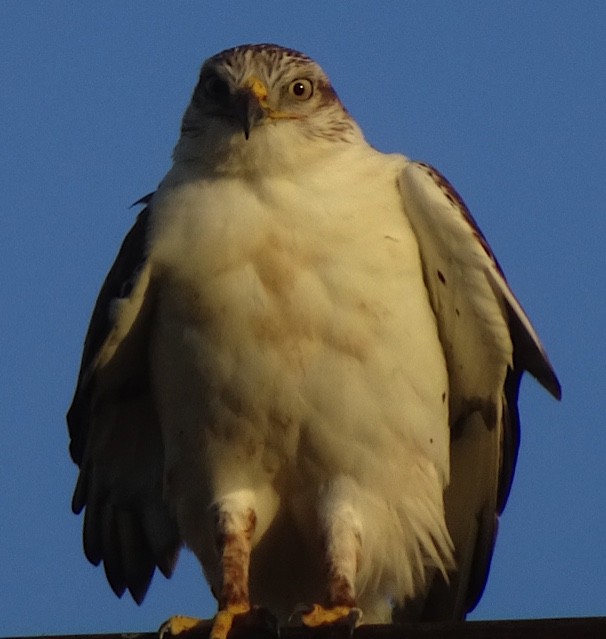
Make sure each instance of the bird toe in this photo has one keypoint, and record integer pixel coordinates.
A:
(180, 624)
(316, 615)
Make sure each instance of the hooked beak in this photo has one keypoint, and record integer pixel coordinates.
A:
(251, 104)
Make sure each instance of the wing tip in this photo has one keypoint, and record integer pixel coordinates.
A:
(553, 386)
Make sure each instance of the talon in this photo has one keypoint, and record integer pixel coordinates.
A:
(296, 618)
(179, 624)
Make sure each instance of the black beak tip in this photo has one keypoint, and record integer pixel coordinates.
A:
(248, 111)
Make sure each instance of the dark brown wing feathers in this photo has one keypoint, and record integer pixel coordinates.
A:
(116, 438)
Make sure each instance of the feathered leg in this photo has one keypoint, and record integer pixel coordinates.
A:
(234, 533)
(234, 527)
(341, 541)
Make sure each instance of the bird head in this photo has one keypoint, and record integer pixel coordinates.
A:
(252, 91)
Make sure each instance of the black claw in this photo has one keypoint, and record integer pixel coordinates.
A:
(296, 618)
(353, 620)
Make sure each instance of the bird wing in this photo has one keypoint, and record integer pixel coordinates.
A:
(488, 342)
(115, 432)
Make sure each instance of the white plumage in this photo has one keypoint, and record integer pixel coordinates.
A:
(313, 335)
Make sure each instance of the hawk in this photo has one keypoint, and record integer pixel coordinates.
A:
(303, 365)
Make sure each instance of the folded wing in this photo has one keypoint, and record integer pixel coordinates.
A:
(488, 342)
(115, 433)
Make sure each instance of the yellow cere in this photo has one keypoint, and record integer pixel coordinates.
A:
(259, 90)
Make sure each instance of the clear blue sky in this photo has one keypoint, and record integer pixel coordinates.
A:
(507, 99)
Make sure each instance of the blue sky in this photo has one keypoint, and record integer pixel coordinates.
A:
(508, 100)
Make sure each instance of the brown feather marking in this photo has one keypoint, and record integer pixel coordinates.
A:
(234, 545)
(341, 555)
(451, 194)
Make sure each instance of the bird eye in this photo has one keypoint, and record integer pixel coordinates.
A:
(215, 87)
(301, 89)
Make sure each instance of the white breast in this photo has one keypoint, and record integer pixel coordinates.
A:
(295, 341)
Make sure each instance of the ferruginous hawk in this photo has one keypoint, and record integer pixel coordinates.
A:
(303, 365)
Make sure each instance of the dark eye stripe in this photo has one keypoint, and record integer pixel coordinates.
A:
(215, 87)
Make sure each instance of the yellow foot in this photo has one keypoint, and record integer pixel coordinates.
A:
(179, 624)
(224, 620)
(316, 615)
(257, 619)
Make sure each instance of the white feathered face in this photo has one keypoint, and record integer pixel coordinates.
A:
(253, 86)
